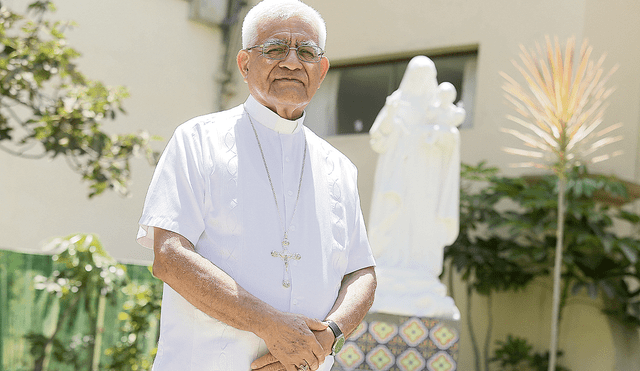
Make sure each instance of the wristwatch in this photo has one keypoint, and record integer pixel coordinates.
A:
(339, 340)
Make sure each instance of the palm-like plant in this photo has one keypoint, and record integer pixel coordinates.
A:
(562, 111)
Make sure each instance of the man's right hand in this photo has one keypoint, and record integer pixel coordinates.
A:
(291, 340)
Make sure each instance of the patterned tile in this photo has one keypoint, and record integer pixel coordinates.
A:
(397, 345)
(366, 342)
(413, 331)
(359, 331)
(410, 360)
(380, 359)
(429, 322)
(427, 348)
(350, 356)
(385, 342)
(383, 332)
(442, 361)
(443, 336)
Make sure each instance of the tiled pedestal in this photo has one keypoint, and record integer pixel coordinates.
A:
(386, 342)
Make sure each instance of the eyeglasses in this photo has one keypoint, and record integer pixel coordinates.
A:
(278, 51)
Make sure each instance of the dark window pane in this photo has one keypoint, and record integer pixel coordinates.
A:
(361, 95)
(363, 89)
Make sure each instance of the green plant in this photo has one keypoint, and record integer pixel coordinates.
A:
(140, 311)
(598, 257)
(48, 108)
(488, 257)
(84, 277)
(508, 233)
(515, 354)
(30, 308)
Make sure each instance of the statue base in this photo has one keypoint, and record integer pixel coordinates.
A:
(389, 342)
(411, 292)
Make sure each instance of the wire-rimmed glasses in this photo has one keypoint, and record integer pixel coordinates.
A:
(278, 51)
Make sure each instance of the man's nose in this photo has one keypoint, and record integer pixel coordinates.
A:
(291, 61)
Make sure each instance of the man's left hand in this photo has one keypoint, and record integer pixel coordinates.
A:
(270, 363)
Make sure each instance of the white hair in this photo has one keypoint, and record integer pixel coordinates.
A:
(280, 10)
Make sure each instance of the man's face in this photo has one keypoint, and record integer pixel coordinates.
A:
(284, 86)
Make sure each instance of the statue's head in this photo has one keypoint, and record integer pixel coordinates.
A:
(447, 93)
(420, 77)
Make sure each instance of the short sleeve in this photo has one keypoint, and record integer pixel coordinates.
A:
(360, 255)
(175, 199)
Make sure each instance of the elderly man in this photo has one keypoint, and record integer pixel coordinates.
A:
(255, 221)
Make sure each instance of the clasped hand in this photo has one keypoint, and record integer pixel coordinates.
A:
(293, 341)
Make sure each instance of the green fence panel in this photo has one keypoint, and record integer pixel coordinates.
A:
(23, 309)
(3, 306)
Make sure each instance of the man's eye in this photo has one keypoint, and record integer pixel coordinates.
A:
(307, 53)
(275, 49)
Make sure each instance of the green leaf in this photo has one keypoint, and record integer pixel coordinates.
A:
(629, 216)
(630, 250)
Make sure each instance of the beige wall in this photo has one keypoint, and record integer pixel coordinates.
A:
(613, 28)
(168, 63)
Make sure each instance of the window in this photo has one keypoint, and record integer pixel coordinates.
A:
(351, 96)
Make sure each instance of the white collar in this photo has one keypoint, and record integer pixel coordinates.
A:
(270, 119)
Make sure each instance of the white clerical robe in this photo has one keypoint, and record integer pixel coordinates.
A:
(211, 187)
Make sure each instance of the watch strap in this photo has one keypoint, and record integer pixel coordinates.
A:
(339, 340)
(334, 327)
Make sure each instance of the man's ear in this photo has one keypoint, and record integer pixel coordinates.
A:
(243, 63)
(324, 67)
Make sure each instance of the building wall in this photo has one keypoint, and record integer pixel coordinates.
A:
(612, 28)
(168, 63)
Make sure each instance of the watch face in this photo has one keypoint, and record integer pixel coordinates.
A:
(338, 345)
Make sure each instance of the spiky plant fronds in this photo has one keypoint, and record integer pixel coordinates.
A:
(562, 111)
(561, 106)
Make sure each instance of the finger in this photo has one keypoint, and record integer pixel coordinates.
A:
(303, 366)
(314, 364)
(311, 364)
(316, 352)
(319, 359)
(273, 367)
(315, 325)
(263, 361)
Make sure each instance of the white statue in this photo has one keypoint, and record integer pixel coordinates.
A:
(415, 205)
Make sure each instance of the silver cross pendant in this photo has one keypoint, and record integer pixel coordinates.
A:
(286, 257)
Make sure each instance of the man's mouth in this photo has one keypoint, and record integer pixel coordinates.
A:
(288, 79)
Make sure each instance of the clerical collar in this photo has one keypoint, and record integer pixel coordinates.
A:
(270, 119)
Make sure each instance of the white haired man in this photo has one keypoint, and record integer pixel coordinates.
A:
(255, 221)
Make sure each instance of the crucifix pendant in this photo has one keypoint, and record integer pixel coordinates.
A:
(286, 256)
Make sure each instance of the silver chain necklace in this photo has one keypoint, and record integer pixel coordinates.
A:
(285, 255)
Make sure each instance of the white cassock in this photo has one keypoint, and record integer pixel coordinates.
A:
(211, 187)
